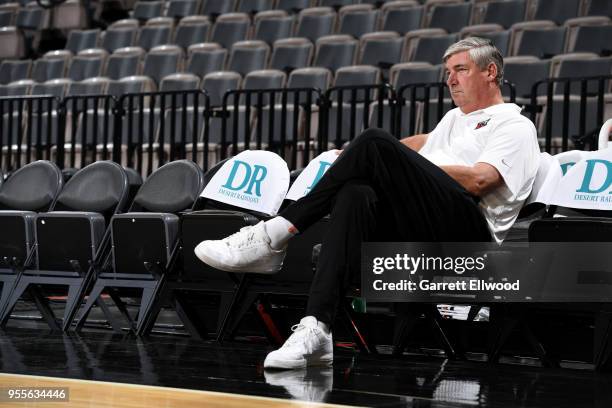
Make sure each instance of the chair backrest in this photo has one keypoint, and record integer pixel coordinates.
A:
(172, 188)
(100, 187)
(33, 187)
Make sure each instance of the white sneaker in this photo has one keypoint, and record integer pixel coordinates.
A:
(248, 250)
(309, 345)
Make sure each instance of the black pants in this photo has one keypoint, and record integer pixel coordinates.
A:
(379, 190)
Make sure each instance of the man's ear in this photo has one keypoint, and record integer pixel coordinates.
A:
(492, 71)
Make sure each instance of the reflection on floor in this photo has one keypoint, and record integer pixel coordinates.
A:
(385, 381)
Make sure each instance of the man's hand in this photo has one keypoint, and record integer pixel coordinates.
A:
(478, 179)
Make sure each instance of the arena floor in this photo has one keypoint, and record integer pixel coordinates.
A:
(105, 369)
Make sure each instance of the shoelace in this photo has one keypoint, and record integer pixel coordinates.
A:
(298, 328)
(239, 242)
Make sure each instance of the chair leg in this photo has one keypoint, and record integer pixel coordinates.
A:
(602, 347)
(224, 322)
(7, 288)
(357, 334)
(43, 307)
(73, 301)
(93, 297)
(193, 324)
(12, 301)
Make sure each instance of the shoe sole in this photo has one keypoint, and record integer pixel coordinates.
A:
(294, 364)
(255, 268)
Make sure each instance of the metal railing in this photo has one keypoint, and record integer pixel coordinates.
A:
(145, 130)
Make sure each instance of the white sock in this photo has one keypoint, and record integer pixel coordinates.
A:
(280, 231)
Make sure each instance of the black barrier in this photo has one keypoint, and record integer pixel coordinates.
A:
(88, 131)
(347, 111)
(279, 120)
(145, 130)
(27, 132)
(153, 128)
(584, 95)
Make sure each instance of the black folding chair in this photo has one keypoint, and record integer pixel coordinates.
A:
(72, 237)
(144, 239)
(30, 189)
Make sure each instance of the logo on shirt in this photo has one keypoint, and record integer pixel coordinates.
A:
(482, 124)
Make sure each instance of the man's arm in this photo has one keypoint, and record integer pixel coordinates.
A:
(415, 142)
(478, 179)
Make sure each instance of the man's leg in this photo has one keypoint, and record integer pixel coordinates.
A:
(404, 180)
(381, 190)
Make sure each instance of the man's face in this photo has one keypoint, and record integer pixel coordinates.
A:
(469, 86)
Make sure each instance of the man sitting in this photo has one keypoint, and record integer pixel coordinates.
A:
(464, 181)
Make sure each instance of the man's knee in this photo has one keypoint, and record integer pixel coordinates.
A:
(374, 134)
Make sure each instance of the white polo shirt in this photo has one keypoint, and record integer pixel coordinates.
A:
(500, 136)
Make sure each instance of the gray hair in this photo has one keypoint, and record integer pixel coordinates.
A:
(482, 52)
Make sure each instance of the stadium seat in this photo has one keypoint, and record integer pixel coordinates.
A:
(179, 9)
(315, 22)
(145, 238)
(17, 88)
(589, 34)
(538, 38)
(69, 237)
(291, 53)
(493, 32)
(205, 58)
(69, 15)
(191, 30)
(30, 189)
(254, 6)
(144, 10)
(87, 64)
(409, 73)
(381, 49)
(214, 8)
(411, 39)
(79, 40)
(153, 36)
(272, 25)
(230, 28)
(576, 65)
(431, 49)
(247, 56)
(335, 51)
(293, 6)
(450, 17)
(88, 122)
(14, 70)
(161, 61)
(120, 37)
(599, 8)
(124, 62)
(217, 84)
(357, 19)
(13, 43)
(313, 77)
(524, 72)
(46, 134)
(7, 18)
(558, 11)
(346, 114)
(505, 13)
(401, 16)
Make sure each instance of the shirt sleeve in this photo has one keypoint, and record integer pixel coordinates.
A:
(510, 151)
